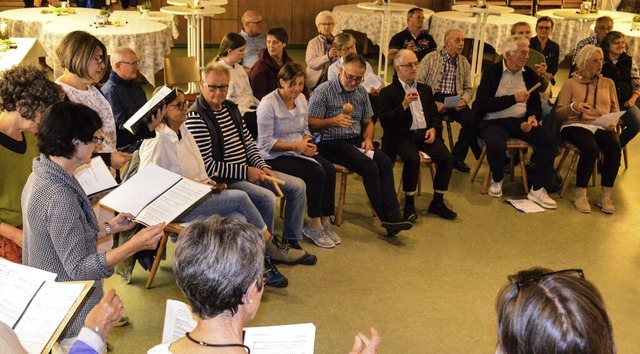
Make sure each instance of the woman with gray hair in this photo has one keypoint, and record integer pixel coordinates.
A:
(320, 51)
(583, 98)
(218, 266)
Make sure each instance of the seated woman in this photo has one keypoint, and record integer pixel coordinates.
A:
(218, 266)
(25, 93)
(231, 52)
(541, 311)
(60, 227)
(264, 73)
(174, 149)
(83, 58)
(285, 143)
(583, 98)
(320, 51)
(622, 69)
(345, 44)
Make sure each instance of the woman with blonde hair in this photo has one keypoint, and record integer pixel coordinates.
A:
(320, 51)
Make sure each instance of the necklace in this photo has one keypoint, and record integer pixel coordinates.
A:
(204, 344)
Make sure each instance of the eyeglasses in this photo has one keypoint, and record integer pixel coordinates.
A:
(418, 17)
(355, 79)
(410, 65)
(180, 105)
(98, 139)
(544, 27)
(602, 28)
(539, 277)
(214, 88)
(327, 24)
(135, 63)
(257, 23)
(99, 59)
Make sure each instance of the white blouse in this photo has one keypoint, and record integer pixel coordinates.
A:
(240, 91)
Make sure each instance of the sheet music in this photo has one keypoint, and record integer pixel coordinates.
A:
(525, 205)
(173, 202)
(609, 119)
(451, 101)
(95, 176)
(178, 320)
(286, 339)
(19, 285)
(371, 81)
(157, 98)
(369, 153)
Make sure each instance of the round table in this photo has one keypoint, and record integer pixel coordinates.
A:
(28, 22)
(570, 27)
(202, 2)
(131, 16)
(146, 38)
(388, 11)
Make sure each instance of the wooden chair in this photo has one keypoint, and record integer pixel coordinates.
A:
(169, 229)
(344, 172)
(513, 145)
(625, 158)
(183, 70)
(448, 120)
(425, 160)
(574, 158)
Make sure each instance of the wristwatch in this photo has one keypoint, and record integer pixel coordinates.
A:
(107, 228)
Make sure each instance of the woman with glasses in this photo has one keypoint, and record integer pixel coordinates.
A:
(83, 58)
(61, 229)
(583, 98)
(320, 51)
(286, 144)
(25, 93)
(541, 311)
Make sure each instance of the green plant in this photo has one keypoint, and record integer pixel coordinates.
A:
(636, 18)
(146, 5)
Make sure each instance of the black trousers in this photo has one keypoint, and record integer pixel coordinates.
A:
(591, 145)
(377, 173)
(495, 133)
(465, 118)
(320, 179)
(408, 151)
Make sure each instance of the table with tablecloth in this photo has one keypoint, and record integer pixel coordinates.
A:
(133, 16)
(28, 22)
(147, 38)
(28, 51)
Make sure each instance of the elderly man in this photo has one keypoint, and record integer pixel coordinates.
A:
(603, 26)
(413, 37)
(449, 75)
(230, 155)
(256, 40)
(543, 44)
(126, 96)
(505, 106)
(409, 117)
(341, 112)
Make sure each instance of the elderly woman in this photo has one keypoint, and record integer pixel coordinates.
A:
(285, 142)
(320, 51)
(174, 149)
(60, 227)
(218, 266)
(622, 69)
(25, 93)
(541, 311)
(583, 98)
(345, 44)
(83, 58)
(264, 73)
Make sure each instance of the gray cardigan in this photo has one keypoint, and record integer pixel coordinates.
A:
(430, 73)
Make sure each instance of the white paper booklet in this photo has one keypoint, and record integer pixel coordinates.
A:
(371, 81)
(95, 177)
(155, 195)
(451, 101)
(285, 339)
(525, 205)
(609, 119)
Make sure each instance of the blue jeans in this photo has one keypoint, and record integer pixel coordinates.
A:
(234, 204)
(263, 197)
(632, 121)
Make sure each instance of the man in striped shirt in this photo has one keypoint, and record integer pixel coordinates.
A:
(230, 155)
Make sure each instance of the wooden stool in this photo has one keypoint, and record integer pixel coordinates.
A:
(424, 160)
(344, 172)
(513, 145)
(169, 229)
(568, 147)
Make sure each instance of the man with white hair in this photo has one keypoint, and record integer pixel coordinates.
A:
(506, 106)
(252, 33)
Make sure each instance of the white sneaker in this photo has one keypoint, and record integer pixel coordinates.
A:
(495, 189)
(318, 237)
(541, 198)
(331, 233)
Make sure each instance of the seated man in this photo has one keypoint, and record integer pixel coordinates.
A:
(543, 44)
(413, 37)
(603, 26)
(231, 156)
(256, 40)
(126, 96)
(505, 108)
(340, 110)
(411, 124)
(449, 74)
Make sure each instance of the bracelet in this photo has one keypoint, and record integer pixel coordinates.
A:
(107, 229)
(571, 106)
(96, 330)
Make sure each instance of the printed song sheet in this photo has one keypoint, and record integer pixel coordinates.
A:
(95, 177)
(173, 202)
(286, 339)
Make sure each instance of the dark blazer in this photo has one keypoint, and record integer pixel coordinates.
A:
(620, 73)
(396, 121)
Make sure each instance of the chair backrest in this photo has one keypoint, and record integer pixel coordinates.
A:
(180, 70)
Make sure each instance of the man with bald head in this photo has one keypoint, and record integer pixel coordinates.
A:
(252, 33)
(449, 75)
(409, 117)
(126, 96)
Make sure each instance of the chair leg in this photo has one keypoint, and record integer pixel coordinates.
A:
(156, 262)
(572, 164)
(343, 193)
(512, 163)
(479, 163)
(523, 171)
(399, 191)
(419, 180)
(485, 183)
(450, 135)
(625, 157)
(565, 153)
(283, 200)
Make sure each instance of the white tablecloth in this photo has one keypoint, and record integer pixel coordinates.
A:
(28, 52)
(28, 22)
(350, 17)
(147, 38)
(133, 16)
(568, 32)
(497, 29)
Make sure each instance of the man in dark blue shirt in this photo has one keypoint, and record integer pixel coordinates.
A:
(413, 37)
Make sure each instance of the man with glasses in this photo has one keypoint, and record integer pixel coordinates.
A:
(256, 40)
(340, 111)
(603, 26)
(126, 96)
(543, 44)
(231, 156)
(409, 117)
(413, 37)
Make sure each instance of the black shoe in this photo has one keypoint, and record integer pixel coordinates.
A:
(274, 277)
(438, 207)
(392, 233)
(292, 244)
(410, 214)
(396, 223)
(461, 166)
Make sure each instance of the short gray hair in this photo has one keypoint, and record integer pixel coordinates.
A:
(521, 23)
(400, 56)
(215, 262)
(584, 54)
(512, 43)
(216, 67)
(324, 14)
